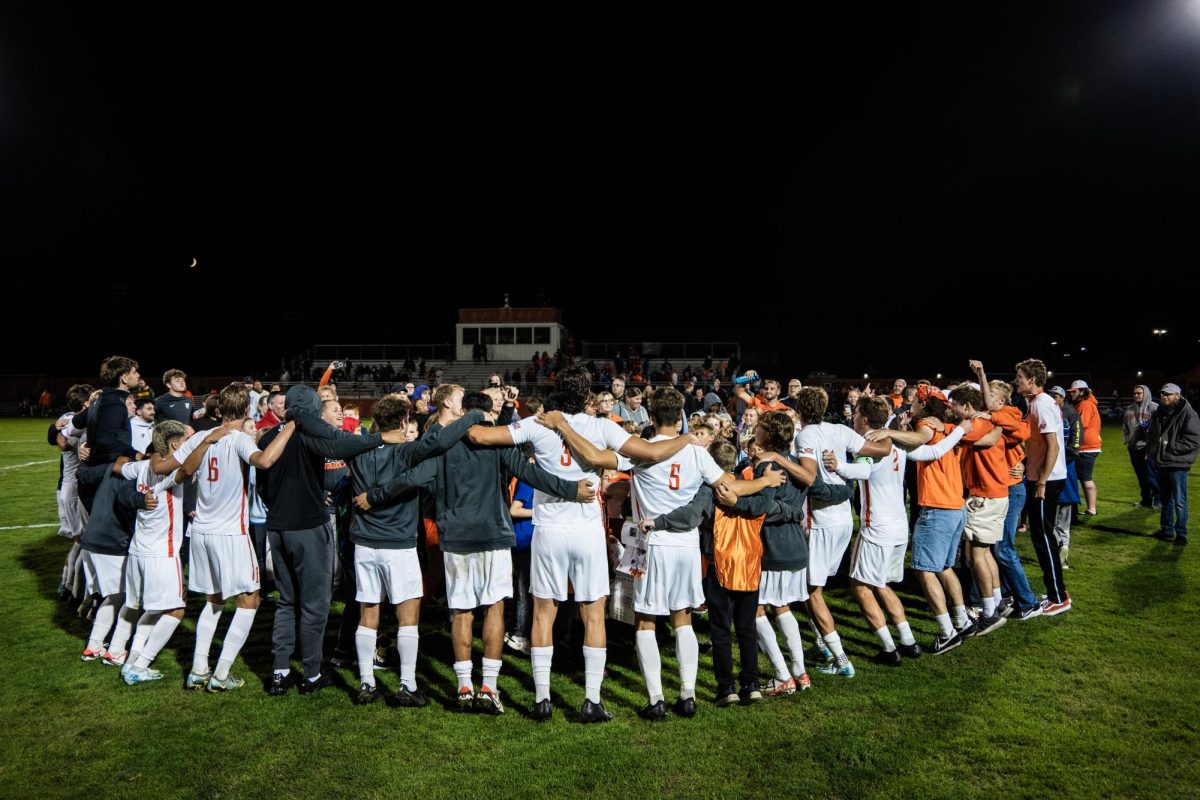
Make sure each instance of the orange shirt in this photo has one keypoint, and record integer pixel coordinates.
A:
(897, 400)
(760, 402)
(985, 469)
(940, 483)
(1089, 420)
(1016, 431)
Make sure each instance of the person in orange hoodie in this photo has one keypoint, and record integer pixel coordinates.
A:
(1084, 401)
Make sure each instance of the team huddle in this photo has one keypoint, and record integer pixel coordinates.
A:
(748, 531)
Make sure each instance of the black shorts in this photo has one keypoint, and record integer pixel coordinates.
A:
(1085, 463)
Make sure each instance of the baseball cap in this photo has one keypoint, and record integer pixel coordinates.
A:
(1080, 385)
(1170, 388)
(1058, 390)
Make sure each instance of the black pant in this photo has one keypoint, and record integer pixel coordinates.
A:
(740, 608)
(258, 535)
(1042, 513)
(1149, 490)
(349, 594)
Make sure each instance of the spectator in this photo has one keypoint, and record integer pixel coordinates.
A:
(1174, 440)
(1135, 426)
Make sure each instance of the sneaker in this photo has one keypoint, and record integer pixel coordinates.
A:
(488, 700)
(230, 682)
(1086, 513)
(1050, 609)
(966, 631)
(685, 707)
(343, 658)
(135, 675)
(312, 687)
(368, 694)
(751, 693)
(1063, 553)
(542, 710)
(988, 624)
(1022, 528)
(653, 712)
(909, 650)
(594, 712)
(974, 612)
(1164, 536)
(1029, 613)
(729, 698)
(115, 659)
(518, 643)
(944, 644)
(92, 655)
(845, 670)
(196, 680)
(1180, 541)
(1005, 609)
(776, 687)
(408, 698)
(888, 658)
(278, 686)
(465, 698)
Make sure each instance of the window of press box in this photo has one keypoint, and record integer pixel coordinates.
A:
(524, 335)
(506, 335)
(470, 335)
(541, 336)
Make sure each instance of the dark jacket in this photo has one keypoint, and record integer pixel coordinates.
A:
(1174, 437)
(114, 510)
(108, 428)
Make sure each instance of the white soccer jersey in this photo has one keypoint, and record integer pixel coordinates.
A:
(70, 456)
(811, 441)
(558, 459)
(881, 491)
(159, 532)
(222, 508)
(663, 487)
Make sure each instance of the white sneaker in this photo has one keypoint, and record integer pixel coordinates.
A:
(517, 643)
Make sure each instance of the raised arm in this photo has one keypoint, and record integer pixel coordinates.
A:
(984, 389)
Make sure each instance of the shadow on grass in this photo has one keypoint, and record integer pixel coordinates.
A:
(1154, 578)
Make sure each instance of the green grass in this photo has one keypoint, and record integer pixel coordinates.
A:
(1099, 702)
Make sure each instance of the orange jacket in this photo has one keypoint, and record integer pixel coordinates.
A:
(1089, 420)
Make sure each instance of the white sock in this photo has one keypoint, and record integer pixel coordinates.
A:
(541, 657)
(593, 670)
(206, 628)
(140, 634)
(235, 637)
(770, 645)
(102, 620)
(885, 639)
(126, 618)
(462, 669)
(960, 616)
(651, 661)
(364, 646)
(989, 606)
(687, 650)
(283, 673)
(835, 645)
(314, 678)
(790, 629)
(407, 640)
(943, 621)
(159, 635)
(999, 598)
(491, 671)
(906, 634)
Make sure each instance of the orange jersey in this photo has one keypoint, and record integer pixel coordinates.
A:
(940, 483)
(985, 469)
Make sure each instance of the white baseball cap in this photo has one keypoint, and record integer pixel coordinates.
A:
(1080, 385)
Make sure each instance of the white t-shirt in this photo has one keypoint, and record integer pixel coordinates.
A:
(1044, 417)
(811, 441)
(157, 533)
(70, 456)
(663, 487)
(556, 458)
(881, 492)
(222, 508)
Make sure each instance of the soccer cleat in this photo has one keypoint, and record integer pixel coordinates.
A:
(1050, 609)
(115, 659)
(465, 698)
(845, 670)
(196, 680)
(804, 682)
(729, 698)
(1029, 613)
(595, 712)
(343, 658)
(215, 685)
(910, 650)
(367, 694)
(822, 655)
(542, 710)
(408, 698)
(751, 693)
(653, 712)
(92, 655)
(777, 688)
(135, 675)
(685, 707)
(986, 625)
(488, 701)
(944, 644)
(312, 687)
(888, 658)
(279, 684)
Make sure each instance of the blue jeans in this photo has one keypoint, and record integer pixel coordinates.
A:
(1012, 574)
(936, 538)
(1172, 488)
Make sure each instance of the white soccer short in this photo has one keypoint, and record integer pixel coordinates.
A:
(72, 516)
(477, 579)
(985, 519)
(672, 581)
(877, 564)
(826, 546)
(577, 555)
(387, 574)
(778, 588)
(103, 575)
(222, 565)
(154, 583)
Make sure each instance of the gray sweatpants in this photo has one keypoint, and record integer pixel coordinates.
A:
(303, 563)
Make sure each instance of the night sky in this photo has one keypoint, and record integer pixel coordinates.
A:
(902, 187)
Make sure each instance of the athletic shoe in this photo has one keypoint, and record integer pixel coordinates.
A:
(488, 700)
(729, 698)
(988, 624)
(888, 658)
(542, 710)
(1164, 536)
(594, 712)
(804, 682)
(1086, 513)
(776, 687)
(974, 612)
(135, 675)
(368, 694)
(845, 670)
(465, 698)
(909, 650)
(406, 698)
(751, 693)
(944, 644)
(821, 655)
(1054, 609)
(343, 658)
(196, 680)
(279, 684)
(518, 643)
(92, 655)
(653, 712)
(1029, 613)
(1005, 609)
(115, 659)
(685, 707)
(312, 687)
(215, 685)
(1180, 541)
(966, 631)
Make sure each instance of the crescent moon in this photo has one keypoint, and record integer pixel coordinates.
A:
(193, 262)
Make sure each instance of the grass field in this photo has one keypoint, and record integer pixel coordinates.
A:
(1100, 702)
